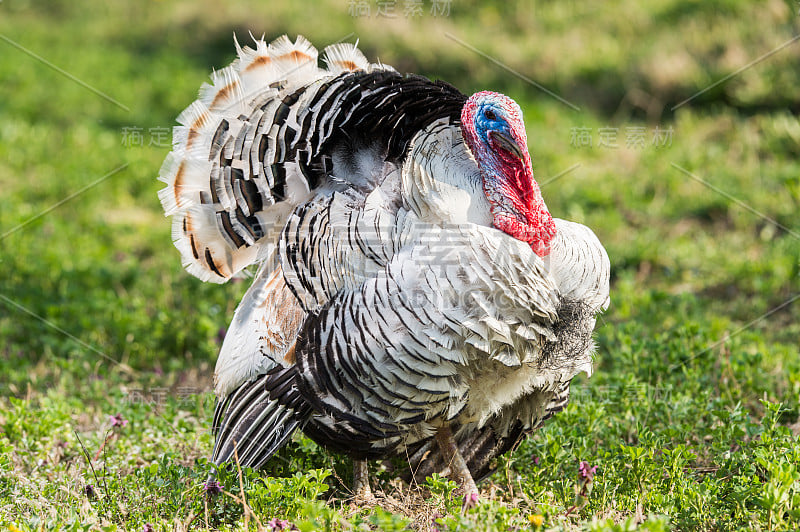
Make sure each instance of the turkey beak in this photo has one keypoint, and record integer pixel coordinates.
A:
(505, 141)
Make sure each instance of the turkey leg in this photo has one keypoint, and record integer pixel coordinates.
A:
(361, 487)
(452, 457)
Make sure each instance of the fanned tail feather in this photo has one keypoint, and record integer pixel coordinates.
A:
(229, 182)
(345, 57)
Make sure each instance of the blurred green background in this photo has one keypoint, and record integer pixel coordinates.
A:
(695, 202)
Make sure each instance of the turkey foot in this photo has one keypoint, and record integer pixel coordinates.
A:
(459, 469)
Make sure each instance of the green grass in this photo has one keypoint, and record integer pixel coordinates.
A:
(692, 414)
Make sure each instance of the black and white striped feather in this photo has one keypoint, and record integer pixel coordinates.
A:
(385, 304)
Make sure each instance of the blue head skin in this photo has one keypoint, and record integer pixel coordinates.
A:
(494, 116)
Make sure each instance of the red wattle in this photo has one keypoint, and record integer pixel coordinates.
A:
(538, 234)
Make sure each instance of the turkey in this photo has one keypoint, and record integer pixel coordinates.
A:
(413, 296)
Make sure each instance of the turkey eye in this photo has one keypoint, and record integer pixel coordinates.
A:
(489, 114)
